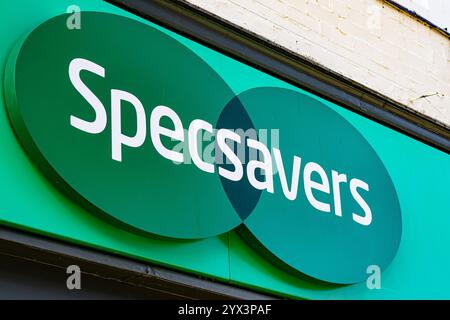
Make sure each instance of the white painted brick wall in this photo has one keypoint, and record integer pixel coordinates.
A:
(365, 40)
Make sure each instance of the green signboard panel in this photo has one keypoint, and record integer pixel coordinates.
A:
(125, 136)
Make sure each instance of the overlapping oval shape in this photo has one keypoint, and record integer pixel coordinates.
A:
(148, 193)
(328, 236)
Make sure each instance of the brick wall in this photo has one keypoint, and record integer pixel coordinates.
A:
(365, 40)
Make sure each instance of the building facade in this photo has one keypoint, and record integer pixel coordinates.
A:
(109, 191)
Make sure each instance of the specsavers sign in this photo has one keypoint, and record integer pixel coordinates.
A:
(136, 128)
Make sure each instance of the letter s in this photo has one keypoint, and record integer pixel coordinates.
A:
(367, 219)
(222, 136)
(99, 124)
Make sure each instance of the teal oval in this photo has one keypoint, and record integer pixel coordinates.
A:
(145, 191)
(324, 244)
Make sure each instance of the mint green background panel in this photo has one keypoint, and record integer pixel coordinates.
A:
(420, 175)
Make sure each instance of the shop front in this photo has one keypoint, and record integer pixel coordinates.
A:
(164, 155)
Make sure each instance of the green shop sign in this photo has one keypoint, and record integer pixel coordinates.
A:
(137, 128)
